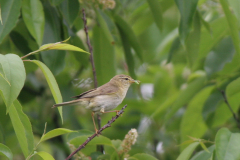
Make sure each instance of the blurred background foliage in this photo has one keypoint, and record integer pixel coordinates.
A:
(183, 52)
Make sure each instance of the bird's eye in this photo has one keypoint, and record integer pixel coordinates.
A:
(126, 78)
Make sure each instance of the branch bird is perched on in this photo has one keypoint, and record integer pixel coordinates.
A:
(104, 98)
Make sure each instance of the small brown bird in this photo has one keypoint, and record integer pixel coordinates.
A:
(104, 98)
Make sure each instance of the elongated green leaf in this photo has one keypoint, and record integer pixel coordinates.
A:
(233, 25)
(187, 10)
(70, 10)
(33, 17)
(235, 5)
(130, 35)
(104, 26)
(143, 156)
(227, 145)
(187, 152)
(203, 154)
(51, 82)
(45, 155)
(195, 127)
(14, 71)
(100, 140)
(55, 133)
(10, 10)
(156, 12)
(104, 56)
(54, 59)
(128, 54)
(61, 46)
(209, 40)
(186, 95)
(193, 41)
(22, 128)
(5, 151)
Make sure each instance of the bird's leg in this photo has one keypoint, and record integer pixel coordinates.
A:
(117, 111)
(94, 122)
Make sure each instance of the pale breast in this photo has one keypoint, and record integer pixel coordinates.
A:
(108, 102)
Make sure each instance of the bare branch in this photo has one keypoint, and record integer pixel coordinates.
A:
(99, 132)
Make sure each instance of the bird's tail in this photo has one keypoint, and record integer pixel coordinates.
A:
(73, 102)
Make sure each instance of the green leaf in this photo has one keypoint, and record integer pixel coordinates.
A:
(104, 56)
(187, 9)
(100, 140)
(55, 133)
(22, 128)
(186, 95)
(10, 10)
(61, 46)
(128, 54)
(14, 71)
(155, 8)
(208, 40)
(130, 35)
(202, 155)
(233, 88)
(187, 152)
(70, 10)
(33, 16)
(193, 41)
(5, 151)
(51, 82)
(227, 145)
(54, 59)
(235, 5)
(143, 156)
(219, 56)
(45, 155)
(196, 127)
(233, 25)
(174, 47)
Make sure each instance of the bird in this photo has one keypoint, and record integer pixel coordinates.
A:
(104, 98)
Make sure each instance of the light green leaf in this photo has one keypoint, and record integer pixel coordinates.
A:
(61, 46)
(51, 82)
(100, 140)
(204, 146)
(5, 151)
(155, 7)
(187, 9)
(104, 56)
(130, 35)
(202, 155)
(187, 152)
(55, 133)
(22, 128)
(235, 5)
(233, 88)
(45, 155)
(233, 25)
(186, 95)
(143, 156)
(196, 127)
(13, 68)
(33, 16)
(227, 145)
(10, 10)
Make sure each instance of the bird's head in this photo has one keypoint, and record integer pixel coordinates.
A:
(124, 80)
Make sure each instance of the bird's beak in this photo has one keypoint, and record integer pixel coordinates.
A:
(135, 81)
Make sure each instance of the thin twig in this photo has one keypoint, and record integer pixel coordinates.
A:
(95, 134)
(90, 48)
(230, 108)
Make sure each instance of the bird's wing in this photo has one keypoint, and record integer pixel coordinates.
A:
(102, 90)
